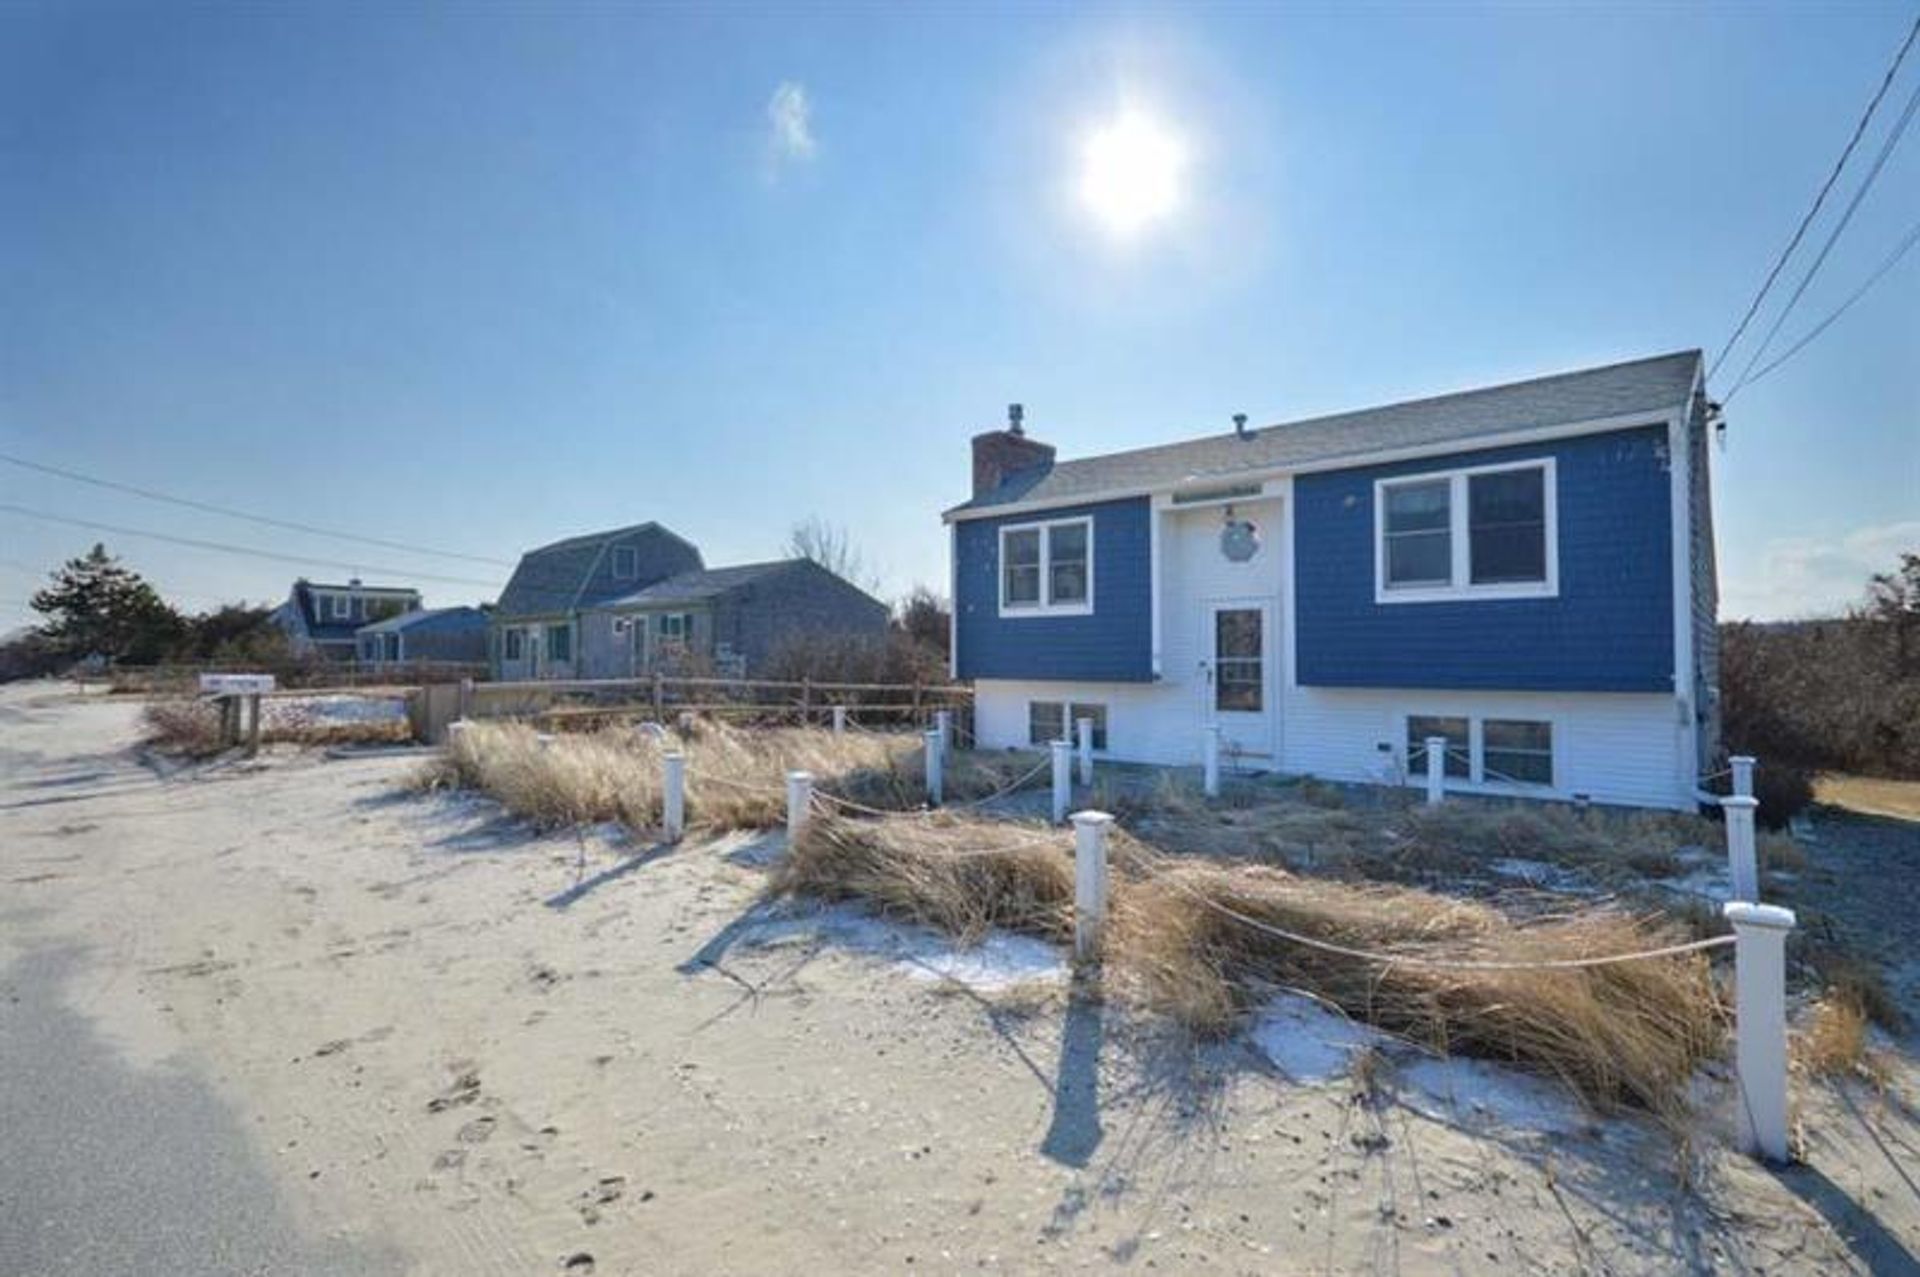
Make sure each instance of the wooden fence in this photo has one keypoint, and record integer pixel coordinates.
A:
(588, 702)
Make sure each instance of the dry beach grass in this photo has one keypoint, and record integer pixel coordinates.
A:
(736, 776)
(191, 726)
(1190, 938)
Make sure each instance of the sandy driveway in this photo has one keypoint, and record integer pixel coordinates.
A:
(447, 1046)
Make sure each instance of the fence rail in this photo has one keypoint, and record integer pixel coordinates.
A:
(318, 676)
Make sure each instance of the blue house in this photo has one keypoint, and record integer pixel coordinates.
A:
(1526, 570)
(451, 634)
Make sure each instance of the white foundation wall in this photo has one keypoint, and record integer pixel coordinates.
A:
(1621, 748)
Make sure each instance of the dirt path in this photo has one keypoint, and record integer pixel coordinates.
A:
(488, 1052)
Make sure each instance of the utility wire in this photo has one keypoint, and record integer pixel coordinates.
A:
(267, 520)
(302, 560)
(1900, 250)
(1780, 262)
(1866, 184)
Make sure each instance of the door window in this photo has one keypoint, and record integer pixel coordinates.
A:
(1239, 681)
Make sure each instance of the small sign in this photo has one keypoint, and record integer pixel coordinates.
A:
(235, 684)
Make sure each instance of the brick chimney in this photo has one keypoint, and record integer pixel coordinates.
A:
(999, 453)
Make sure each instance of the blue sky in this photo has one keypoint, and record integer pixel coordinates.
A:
(482, 277)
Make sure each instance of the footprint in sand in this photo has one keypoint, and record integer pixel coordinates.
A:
(476, 1132)
(465, 1089)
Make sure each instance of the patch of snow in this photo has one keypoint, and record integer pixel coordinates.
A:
(1309, 1041)
(1537, 873)
(998, 962)
(344, 709)
(1480, 1093)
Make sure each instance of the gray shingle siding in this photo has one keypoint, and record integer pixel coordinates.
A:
(1705, 587)
(801, 598)
(556, 579)
(1651, 386)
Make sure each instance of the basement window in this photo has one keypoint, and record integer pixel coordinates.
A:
(1516, 752)
(1046, 722)
(1459, 734)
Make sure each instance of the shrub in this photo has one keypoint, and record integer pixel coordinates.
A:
(1784, 791)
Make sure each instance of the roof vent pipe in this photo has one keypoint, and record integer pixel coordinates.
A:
(1240, 426)
(1016, 419)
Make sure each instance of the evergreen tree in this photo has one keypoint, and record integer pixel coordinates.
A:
(95, 605)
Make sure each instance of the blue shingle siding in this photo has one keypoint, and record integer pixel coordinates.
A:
(1610, 629)
(1112, 644)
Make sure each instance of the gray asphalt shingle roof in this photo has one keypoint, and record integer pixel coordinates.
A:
(406, 620)
(695, 587)
(1480, 416)
(551, 579)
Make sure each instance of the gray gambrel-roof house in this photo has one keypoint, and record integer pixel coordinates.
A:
(621, 603)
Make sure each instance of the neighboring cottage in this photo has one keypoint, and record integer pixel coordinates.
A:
(622, 603)
(450, 634)
(323, 620)
(1526, 570)
(731, 619)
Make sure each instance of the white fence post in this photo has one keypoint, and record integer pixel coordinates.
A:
(1741, 765)
(943, 723)
(544, 740)
(1210, 761)
(1062, 779)
(1436, 770)
(932, 739)
(456, 731)
(1743, 865)
(839, 720)
(1090, 829)
(673, 794)
(799, 799)
(1760, 1024)
(1085, 726)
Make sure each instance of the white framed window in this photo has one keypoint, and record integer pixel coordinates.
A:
(340, 607)
(675, 629)
(560, 642)
(1046, 569)
(1490, 752)
(1049, 721)
(516, 644)
(626, 563)
(1482, 532)
(1046, 722)
(1516, 751)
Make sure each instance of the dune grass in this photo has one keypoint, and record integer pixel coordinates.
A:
(736, 776)
(1626, 1034)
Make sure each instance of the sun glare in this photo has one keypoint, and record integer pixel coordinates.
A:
(1131, 173)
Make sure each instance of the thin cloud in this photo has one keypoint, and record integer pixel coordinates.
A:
(790, 119)
(1812, 576)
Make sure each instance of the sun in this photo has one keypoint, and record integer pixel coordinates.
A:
(1132, 173)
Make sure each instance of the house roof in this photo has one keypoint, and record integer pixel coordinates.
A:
(1648, 385)
(707, 583)
(406, 620)
(551, 578)
(326, 628)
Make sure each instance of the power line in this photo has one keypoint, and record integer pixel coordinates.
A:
(267, 520)
(1900, 250)
(1866, 184)
(1780, 262)
(302, 560)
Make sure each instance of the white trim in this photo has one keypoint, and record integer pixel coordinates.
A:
(1461, 587)
(1045, 606)
(1352, 461)
(339, 606)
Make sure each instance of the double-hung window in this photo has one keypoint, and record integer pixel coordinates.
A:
(516, 644)
(1485, 532)
(626, 563)
(559, 642)
(1047, 568)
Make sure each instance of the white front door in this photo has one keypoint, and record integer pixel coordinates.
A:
(1239, 647)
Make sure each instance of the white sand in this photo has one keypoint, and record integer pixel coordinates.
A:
(494, 1051)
